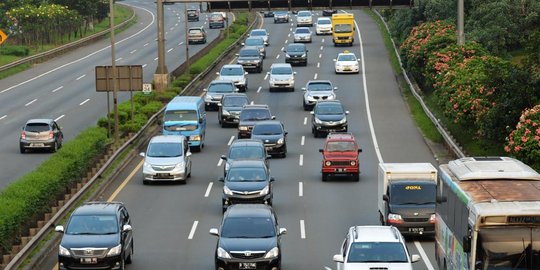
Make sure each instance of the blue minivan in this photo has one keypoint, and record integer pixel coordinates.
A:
(185, 115)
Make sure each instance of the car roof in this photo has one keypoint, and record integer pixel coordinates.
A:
(167, 139)
(256, 106)
(248, 210)
(231, 66)
(269, 122)
(248, 163)
(247, 142)
(281, 65)
(234, 95)
(221, 81)
(323, 18)
(98, 208)
(39, 120)
(319, 81)
(250, 48)
(375, 234)
(340, 136)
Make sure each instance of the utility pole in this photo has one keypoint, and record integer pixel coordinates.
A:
(461, 23)
(115, 86)
(161, 77)
(188, 64)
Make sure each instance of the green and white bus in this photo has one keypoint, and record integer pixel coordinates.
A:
(487, 215)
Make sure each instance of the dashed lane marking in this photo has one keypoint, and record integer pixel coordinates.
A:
(208, 189)
(259, 89)
(318, 64)
(59, 117)
(58, 88)
(305, 121)
(29, 103)
(301, 160)
(302, 140)
(169, 50)
(80, 77)
(82, 103)
(144, 65)
(219, 162)
(302, 229)
(193, 229)
(315, 76)
(4, 116)
(300, 189)
(132, 52)
(231, 139)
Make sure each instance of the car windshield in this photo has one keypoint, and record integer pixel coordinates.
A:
(221, 87)
(232, 71)
(37, 127)
(92, 224)
(302, 31)
(280, 13)
(266, 129)
(295, 48)
(343, 28)
(195, 31)
(248, 227)
(216, 17)
(191, 11)
(346, 57)
(254, 42)
(246, 152)
(343, 146)
(254, 114)
(324, 21)
(282, 71)
(377, 252)
(180, 115)
(258, 33)
(251, 174)
(249, 53)
(234, 101)
(329, 109)
(304, 14)
(164, 150)
(413, 193)
(320, 86)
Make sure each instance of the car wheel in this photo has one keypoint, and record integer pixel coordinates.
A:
(222, 123)
(271, 89)
(129, 258)
(324, 177)
(291, 89)
(54, 148)
(356, 177)
(306, 108)
(206, 107)
(22, 149)
(189, 174)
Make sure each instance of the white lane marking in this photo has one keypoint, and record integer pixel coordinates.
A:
(305, 121)
(132, 52)
(30, 102)
(146, 44)
(424, 255)
(144, 65)
(82, 103)
(181, 43)
(282, 48)
(58, 88)
(82, 58)
(315, 76)
(302, 229)
(300, 189)
(303, 140)
(286, 41)
(208, 189)
(118, 59)
(170, 29)
(231, 140)
(320, 55)
(169, 50)
(265, 77)
(80, 77)
(290, 29)
(205, 22)
(220, 162)
(155, 59)
(5, 115)
(277, 56)
(321, 48)
(259, 89)
(175, 24)
(322, 40)
(318, 64)
(289, 35)
(193, 229)
(60, 117)
(301, 160)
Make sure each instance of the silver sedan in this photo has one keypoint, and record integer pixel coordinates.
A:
(302, 34)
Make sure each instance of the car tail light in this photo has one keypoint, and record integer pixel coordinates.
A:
(394, 219)
(51, 135)
(327, 163)
(23, 135)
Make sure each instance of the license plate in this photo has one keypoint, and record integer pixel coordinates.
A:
(235, 120)
(341, 170)
(248, 265)
(163, 175)
(347, 69)
(36, 145)
(89, 260)
(416, 229)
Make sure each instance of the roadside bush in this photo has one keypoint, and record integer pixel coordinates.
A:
(524, 141)
(151, 108)
(20, 51)
(132, 126)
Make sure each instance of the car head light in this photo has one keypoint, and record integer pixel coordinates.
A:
(147, 166)
(287, 55)
(179, 166)
(195, 137)
(227, 191)
(280, 141)
(318, 121)
(221, 253)
(327, 163)
(273, 253)
(432, 218)
(343, 120)
(208, 96)
(115, 251)
(265, 190)
(353, 163)
(225, 112)
(63, 251)
(303, 55)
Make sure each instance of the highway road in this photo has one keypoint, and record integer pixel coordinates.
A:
(64, 88)
(171, 222)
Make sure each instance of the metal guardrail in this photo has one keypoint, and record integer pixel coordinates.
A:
(23, 253)
(43, 55)
(453, 145)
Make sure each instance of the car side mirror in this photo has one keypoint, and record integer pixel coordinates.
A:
(304, 89)
(223, 157)
(142, 154)
(237, 54)
(273, 117)
(188, 154)
(246, 73)
(59, 228)
(294, 73)
(272, 179)
(266, 43)
(359, 150)
(440, 199)
(312, 112)
(338, 258)
(321, 150)
(126, 228)
(217, 73)
(204, 89)
(268, 156)
(267, 73)
(334, 60)
(385, 197)
(415, 258)
(346, 112)
(214, 231)
(282, 231)
(335, 88)
(221, 179)
(243, 44)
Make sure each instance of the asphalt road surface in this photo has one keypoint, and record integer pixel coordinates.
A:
(171, 222)
(64, 87)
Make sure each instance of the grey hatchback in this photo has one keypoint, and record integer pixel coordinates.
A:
(41, 134)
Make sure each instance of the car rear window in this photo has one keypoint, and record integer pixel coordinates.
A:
(221, 88)
(254, 114)
(37, 127)
(232, 71)
(302, 31)
(195, 31)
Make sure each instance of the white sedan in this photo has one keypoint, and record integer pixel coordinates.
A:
(347, 62)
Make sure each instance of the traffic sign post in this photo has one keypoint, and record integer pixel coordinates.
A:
(3, 37)
(147, 88)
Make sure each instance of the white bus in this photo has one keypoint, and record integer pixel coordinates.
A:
(487, 215)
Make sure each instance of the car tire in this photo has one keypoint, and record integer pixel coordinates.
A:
(324, 177)
(291, 89)
(196, 148)
(145, 182)
(54, 148)
(270, 89)
(22, 149)
(306, 108)
(356, 177)
(129, 258)
(221, 123)
(206, 108)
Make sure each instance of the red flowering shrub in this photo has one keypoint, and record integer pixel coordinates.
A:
(524, 141)
(422, 41)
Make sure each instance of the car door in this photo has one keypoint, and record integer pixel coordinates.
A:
(187, 156)
(58, 133)
(344, 251)
(127, 237)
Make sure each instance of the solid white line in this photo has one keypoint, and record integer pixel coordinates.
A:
(265, 77)
(300, 189)
(82, 103)
(302, 229)
(30, 102)
(118, 59)
(303, 140)
(169, 50)
(208, 189)
(176, 24)
(155, 59)
(193, 229)
(321, 48)
(259, 89)
(59, 117)
(301, 160)
(319, 65)
(146, 44)
(132, 52)
(315, 76)
(82, 58)
(220, 162)
(80, 77)
(425, 258)
(305, 121)
(3, 117)
(231, 140)
(58, 88)
(144, 65)
(277, 56)
(320, 55)
(282, 48)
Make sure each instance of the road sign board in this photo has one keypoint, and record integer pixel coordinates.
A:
(3, 37)
(128, 78)
(147, 88)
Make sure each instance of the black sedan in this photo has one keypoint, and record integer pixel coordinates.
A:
(329, 12)
(272, 133)
(328, 116)
(249, 238)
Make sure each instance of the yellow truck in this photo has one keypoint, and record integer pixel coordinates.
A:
(343, 29)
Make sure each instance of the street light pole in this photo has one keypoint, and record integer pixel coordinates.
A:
(161, 77)
(115, 86)
(460, 22)
(187, 38)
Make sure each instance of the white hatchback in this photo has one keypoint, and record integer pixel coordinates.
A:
(323, 26)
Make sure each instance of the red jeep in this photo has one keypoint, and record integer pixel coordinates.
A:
(340, 156)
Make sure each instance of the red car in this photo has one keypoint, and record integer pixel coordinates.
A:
(340, 156)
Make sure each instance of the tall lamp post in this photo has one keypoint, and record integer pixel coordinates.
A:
(461, 23)
(161, 77)
(113, 65)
